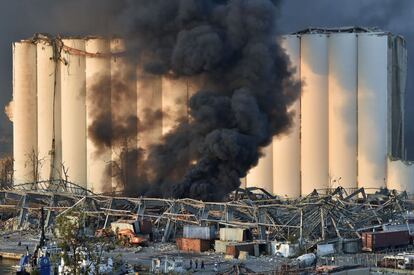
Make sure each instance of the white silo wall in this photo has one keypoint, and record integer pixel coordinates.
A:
(372, 109)
(48, 112)
(175, 94)
(98, 99)
(74, 111)
(400, 176)
(286, 147)
(149, 105)
(262, 174)
(24, 111)
(343, 87)
(314, 112)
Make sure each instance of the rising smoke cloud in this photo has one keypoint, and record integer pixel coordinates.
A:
(243, 103)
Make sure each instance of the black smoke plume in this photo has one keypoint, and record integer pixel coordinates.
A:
(243, 103)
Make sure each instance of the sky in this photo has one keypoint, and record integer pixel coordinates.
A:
(20, 19)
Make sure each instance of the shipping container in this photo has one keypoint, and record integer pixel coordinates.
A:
(285, 249)
(373, 241)
(235, 234)
(199, 232)
(325, 249)
(193, 245)
(220, 246)
(125, 224)
(351, 246)
(234, 249)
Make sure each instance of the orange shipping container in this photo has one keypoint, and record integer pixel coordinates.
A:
(234, 249)
(193, 245)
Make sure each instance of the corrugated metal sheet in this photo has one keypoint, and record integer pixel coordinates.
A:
(199, 232)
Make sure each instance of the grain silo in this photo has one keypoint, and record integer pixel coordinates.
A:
(25, 112)
(351, 114)
(286, 147)
(48, 110)
(262, 174)
(123, 102)
(314, 112)
(343, 110)
(175, 94)
(73, 110)
(400, 175)
(348, 125)
(98, 72)
(372, 109)
(149, 109)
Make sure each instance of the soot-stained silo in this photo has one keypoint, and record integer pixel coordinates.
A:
(98, 97)
(175, 95)
(73, 90)
(149, 109)
(123, 106)
(24, 112)
(48, 109)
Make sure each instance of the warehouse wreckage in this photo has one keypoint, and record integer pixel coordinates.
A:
(320, 217)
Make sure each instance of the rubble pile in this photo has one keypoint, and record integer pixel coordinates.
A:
(250, 225)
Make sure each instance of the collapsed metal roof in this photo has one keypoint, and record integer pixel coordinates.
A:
(349, 29)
